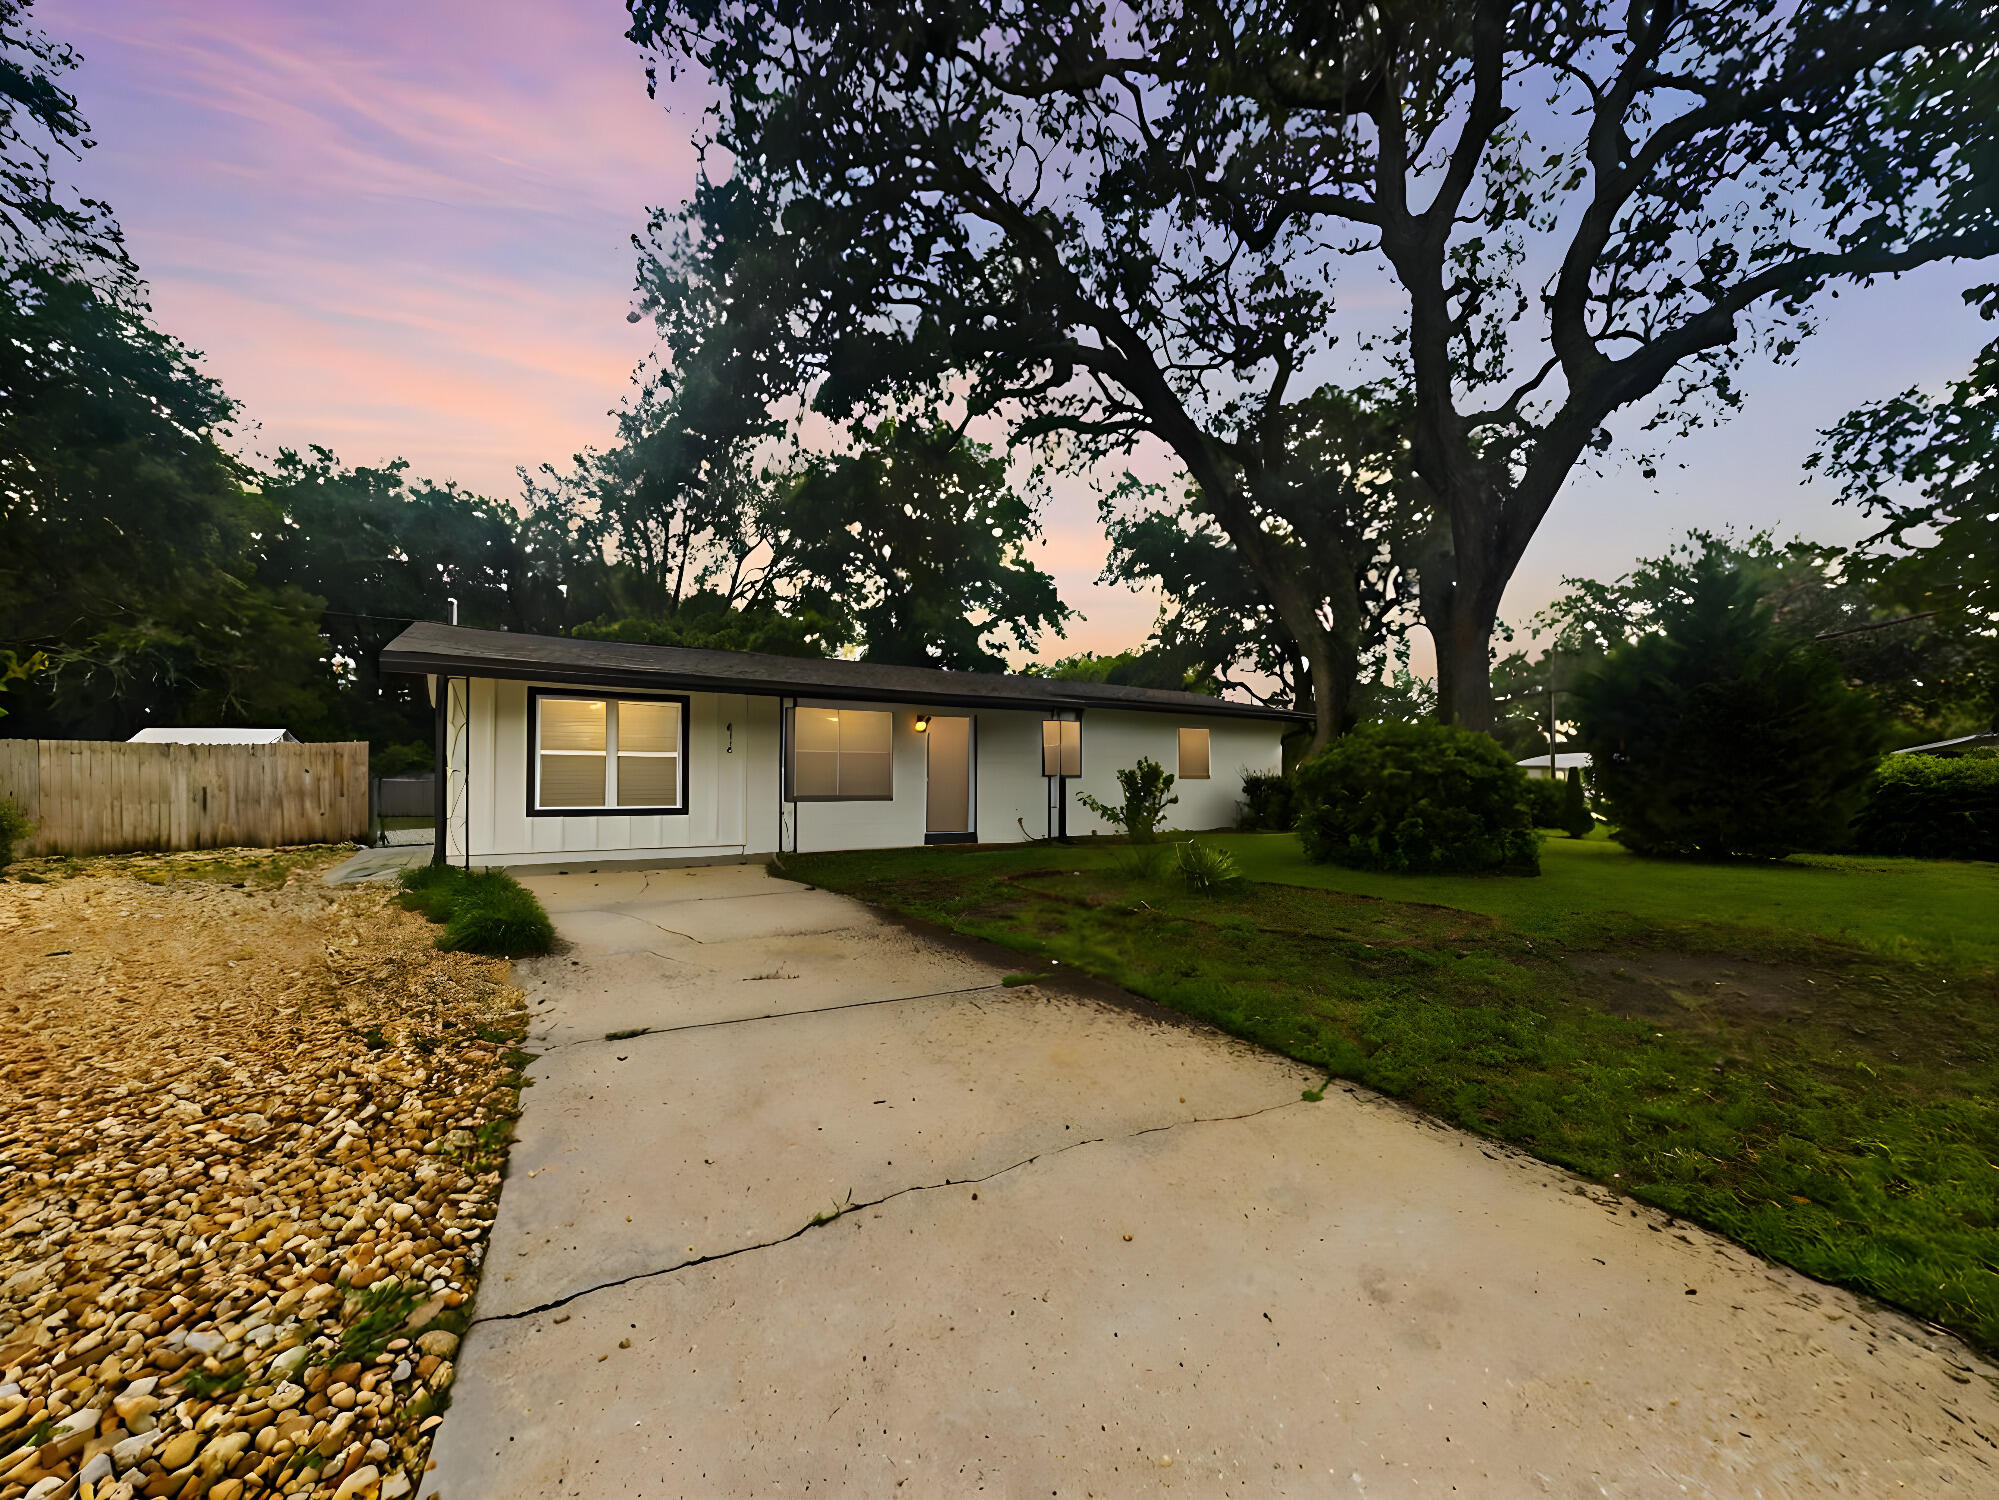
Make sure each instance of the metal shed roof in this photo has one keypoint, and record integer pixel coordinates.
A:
(197, 736)
(458, 651)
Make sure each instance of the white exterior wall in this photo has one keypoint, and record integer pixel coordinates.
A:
(733, 781)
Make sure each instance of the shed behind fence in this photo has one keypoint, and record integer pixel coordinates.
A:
(102, 797)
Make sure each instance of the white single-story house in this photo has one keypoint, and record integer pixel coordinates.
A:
(1556, 766)
(213, 737)
(554, 750)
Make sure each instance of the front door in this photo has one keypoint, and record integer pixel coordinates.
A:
(949, 803)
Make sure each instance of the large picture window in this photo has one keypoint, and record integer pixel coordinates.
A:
(609, 754)
(840, 755)
(1061, 747)
(1193, 755)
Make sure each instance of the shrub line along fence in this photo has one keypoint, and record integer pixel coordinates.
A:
(102, 797)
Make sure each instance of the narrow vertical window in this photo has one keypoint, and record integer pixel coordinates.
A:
(573, 739)
(1193, 755)
(1061, 747)
(648, 753)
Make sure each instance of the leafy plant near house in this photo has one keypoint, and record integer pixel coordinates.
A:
(1932, 807)
(1418, 798)
(1719, 737)
(1576, 822)
(1147, 789)
(482, 911)
(15, 826)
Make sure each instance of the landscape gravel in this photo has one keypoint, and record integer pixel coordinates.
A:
(252, 1130)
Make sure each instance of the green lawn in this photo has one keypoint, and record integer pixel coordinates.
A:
(1803, 1056)
(1917, 908)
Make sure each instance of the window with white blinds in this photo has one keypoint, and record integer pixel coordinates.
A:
(840, 755)
(609, 754)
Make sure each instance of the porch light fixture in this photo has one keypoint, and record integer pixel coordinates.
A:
(922, 722)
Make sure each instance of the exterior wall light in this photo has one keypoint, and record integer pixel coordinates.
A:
(922, 722)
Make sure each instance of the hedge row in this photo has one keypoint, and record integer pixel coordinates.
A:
(1932, 807)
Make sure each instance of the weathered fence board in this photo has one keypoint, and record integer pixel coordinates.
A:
(95, 797)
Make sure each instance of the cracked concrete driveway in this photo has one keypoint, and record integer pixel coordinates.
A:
(1085, 1250)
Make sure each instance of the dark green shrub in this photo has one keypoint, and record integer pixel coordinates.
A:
(1207, 870)
(1544, 801)
(1416, 797)
(1576, 820)
(1269, 801)
(15, 826)
(1932, 807)
(483, 911)
(1145, 787)
(1718, 737)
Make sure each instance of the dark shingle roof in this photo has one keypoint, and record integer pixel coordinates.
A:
(454, 650)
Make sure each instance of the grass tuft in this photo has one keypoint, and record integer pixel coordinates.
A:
(482, 911)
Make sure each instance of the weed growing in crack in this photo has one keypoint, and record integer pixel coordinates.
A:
(839, 1210)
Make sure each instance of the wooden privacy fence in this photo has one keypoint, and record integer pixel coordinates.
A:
(101, 797)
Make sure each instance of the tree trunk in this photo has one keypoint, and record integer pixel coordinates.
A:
(1460, 588)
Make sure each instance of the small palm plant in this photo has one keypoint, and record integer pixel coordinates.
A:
(1206, 869)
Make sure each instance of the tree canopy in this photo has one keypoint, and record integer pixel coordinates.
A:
(1928, 469)
(1139, 222)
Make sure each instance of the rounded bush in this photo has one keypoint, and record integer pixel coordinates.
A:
(1932, 807)
(1421, 798)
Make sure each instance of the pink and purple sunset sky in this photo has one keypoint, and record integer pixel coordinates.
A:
(405, 229)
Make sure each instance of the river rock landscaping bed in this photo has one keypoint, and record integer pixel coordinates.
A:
(251, 1136)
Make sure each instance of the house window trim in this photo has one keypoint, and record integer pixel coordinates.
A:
(788, 770)
(1180, 758)
(607, 695)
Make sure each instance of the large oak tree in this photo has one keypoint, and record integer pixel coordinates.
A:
(1115, 223)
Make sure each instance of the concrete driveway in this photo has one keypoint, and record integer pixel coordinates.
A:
(850, 1217)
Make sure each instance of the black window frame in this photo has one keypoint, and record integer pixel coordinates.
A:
(609, 695)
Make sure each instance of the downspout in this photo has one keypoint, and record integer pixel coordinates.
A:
(783, 761)
(467, 794)
(440, 771)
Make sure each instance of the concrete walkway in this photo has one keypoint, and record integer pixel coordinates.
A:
(852, 1218)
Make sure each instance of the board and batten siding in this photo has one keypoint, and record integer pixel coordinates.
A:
(109, 797)
(734, 780)
(731, 780)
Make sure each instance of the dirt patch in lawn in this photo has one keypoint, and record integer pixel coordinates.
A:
(255, 1127)
(1685, 986)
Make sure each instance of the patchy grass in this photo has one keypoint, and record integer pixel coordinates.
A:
(483, 911)
(1801, 1057)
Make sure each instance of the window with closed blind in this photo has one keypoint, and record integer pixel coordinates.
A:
(1193, 755)
(607, 755)
(1061, 747)
(840, 755)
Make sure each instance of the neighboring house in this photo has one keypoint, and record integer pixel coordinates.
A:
(213, 737)
(1539, 767)
(556, 750)
(1962, 745)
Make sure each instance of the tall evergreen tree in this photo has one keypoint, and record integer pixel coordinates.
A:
(1716, 736)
